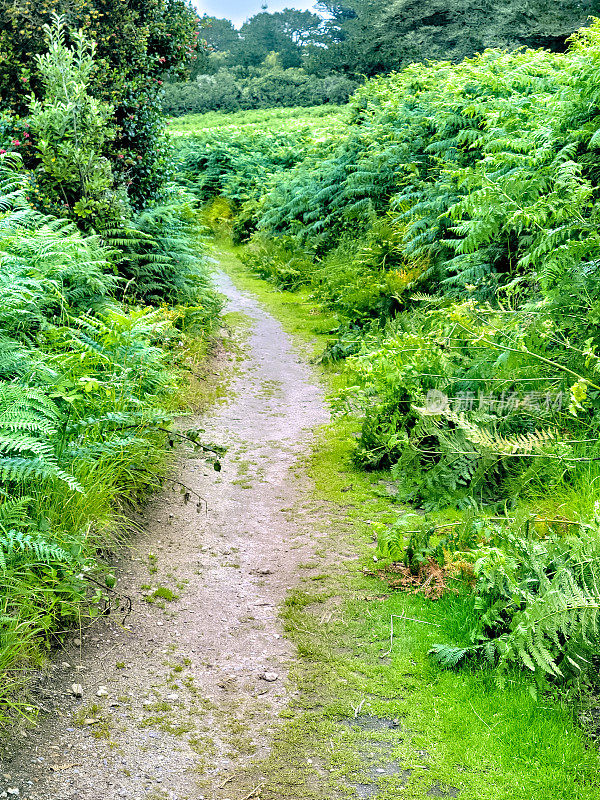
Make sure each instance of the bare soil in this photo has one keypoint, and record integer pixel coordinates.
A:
(178, 700)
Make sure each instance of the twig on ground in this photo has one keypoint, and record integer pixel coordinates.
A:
(426, 582)
(187, 494)
(127, 606)
(490, 727)
(358, 708)
(253, 792)
(478, 717)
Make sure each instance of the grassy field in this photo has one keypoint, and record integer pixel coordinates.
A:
(271, 119)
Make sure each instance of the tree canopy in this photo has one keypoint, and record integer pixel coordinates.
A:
(138, 44)
(355, 39)
(368, 37)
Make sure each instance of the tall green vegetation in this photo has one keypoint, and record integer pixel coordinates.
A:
(367, 37)
(69, 130)
(268, 86)
(138, 44)
(97, 297)
(451, 225)
(263, 65)
(235, 161)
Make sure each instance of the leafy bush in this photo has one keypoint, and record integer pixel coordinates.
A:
(159, 258)
(235, 162)
(70, 130)
(84, 381)
(139, 44)
(536, 600)
(281, 261)
(233, 90)
(525, 589)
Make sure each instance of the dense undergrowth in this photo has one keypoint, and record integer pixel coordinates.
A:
(449, 223)
(99, 303)
(229, 158)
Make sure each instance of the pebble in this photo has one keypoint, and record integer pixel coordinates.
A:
(102, 691)
(173, 696)
(77, 689)
(269, 676)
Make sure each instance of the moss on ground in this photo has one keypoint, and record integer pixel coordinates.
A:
(207, 368)
(298, 314)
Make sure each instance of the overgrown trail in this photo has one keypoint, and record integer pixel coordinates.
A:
(194, 685)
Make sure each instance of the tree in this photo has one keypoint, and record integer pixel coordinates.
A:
(138, 44)
(409, 30)
(221, 41)
(220, 34)
(367, 37)
(70, 129)
(286, 32)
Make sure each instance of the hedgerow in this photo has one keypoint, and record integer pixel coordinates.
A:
(98, 302)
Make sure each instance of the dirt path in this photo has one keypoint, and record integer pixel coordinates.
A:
(194, 685)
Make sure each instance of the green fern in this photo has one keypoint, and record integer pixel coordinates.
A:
(13, 543)
(28, 423)
(449, 656)
(538, 603)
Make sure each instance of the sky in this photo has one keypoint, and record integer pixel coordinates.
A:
(239, 10)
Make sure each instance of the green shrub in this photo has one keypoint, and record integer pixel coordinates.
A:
(537, 602)
(473, 185)
(279, 261)
(159, 257)
(70, 131)
(259, 87)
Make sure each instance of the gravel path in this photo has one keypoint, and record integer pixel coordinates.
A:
(178, 701)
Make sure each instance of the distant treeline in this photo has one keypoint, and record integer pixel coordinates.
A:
(235, 89)
(296, 58)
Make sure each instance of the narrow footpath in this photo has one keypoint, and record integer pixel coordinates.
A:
(180, 698)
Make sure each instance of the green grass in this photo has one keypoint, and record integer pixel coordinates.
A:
(454, 729)
(274, 118)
